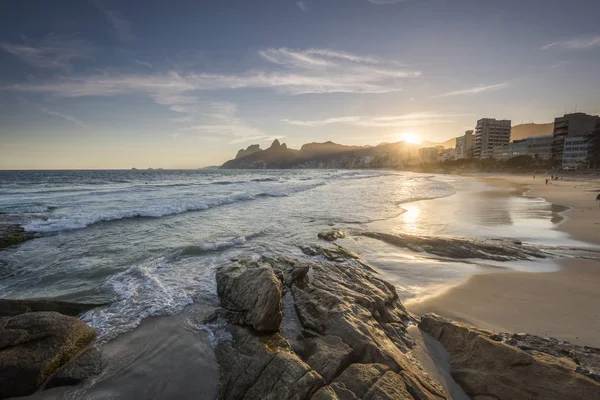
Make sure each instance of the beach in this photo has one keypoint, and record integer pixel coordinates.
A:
(564, 304)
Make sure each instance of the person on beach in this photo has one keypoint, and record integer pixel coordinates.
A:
(546, 181)
(598, 198)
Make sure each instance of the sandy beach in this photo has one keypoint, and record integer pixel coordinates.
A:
(563, 304)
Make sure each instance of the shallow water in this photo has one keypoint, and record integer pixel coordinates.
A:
(148, 242)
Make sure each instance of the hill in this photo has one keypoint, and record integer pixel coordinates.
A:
(523, 131)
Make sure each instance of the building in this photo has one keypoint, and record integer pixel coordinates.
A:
(540, 147)
(428, 155)
(464, 145)
(447, 155)
(490, 133)
(511, 150)
(570, 126)
(575, 152)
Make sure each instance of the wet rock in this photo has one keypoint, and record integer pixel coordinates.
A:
(331, 236)
(35, 345)
(88, 364)
(15, 307)
(487, 368)
(462, 248)
(263, 367)
(336, 253)
(253, 293)
(12, 234)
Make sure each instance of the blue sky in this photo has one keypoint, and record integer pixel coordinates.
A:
(185, 84)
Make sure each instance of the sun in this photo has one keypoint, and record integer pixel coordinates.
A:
(410, 137)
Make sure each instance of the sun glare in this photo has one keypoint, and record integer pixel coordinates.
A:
(410, 137)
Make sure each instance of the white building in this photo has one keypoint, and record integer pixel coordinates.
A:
(464, 145)
(447, 154)
(571, 126)
(574, 152)
(490, 133)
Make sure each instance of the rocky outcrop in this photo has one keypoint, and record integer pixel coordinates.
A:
(461, 248)
(332, 236)
(249, 150)
(488, 365)
(36, 344)
(252, 293)
(9, 308)
(12, 234)
(352, 341)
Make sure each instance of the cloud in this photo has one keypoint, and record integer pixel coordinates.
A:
(52, 52)
(289, 71)
(575, 44)
(302, 5)
(265, 138)
(64, 116)
(144, 63)
(412, 119)
(120, 25)
(475, 90)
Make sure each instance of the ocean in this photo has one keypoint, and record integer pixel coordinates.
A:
(147, 243)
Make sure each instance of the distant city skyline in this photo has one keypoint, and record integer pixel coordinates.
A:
(112, 84)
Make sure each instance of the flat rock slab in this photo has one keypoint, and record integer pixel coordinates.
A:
(488, 366)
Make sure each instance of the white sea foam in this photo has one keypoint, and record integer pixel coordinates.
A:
(155, 288)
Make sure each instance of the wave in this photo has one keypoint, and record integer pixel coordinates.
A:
(265, 180)
(84, 219)
(154, 288)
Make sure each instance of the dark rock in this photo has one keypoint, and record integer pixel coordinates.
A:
(489, 369)
(81, 368)
(459, 247)
(249, 150)
(253, 292)
(389, 386)
(35, 345)
(15, 307)
(263, 367)
(332, 236)
(12, 234)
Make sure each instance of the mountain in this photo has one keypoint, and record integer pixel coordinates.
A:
(523, 131)
(327, 155)
(251, 149)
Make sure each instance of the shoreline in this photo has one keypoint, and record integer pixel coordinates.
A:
(564, 304)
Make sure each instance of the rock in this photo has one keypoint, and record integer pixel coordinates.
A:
(253, 293)
(81, 368)
(15, 307)
(253, 148)
(346, 315)
(460, 247)
(263, 367)
(327, 355)
(332, 236)
(35, 345)
(489, 368)
(12, 234)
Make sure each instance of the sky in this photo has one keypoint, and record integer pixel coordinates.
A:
(185, 84)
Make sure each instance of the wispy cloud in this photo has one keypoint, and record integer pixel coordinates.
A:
(475, 90)
(144, 63)
(120, 25)
(247, 139)
(289, 71)
(64, 116)
(412, 119)
(302, 5)
(575, 44)
(53, 52)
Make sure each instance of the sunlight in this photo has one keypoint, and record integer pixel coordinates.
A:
(410, 137)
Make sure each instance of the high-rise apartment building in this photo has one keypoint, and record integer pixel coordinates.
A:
(464, 145)
(490, 133)
(571, 126)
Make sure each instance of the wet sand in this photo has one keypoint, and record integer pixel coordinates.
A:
(563, 304)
